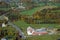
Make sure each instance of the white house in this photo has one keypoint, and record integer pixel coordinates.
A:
(30, 30)
(20, 5)
(41, 31)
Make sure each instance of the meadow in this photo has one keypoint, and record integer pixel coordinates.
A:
(24, 26)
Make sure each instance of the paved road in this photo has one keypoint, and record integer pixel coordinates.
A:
(18, 29)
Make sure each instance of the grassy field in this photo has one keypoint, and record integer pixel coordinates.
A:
(24, 26)
(57, 4)
(44, 37)
(58, 11)
(30, 12)
(5, 9)
(34, 10)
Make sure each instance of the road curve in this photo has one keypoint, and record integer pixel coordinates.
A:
(18, 29)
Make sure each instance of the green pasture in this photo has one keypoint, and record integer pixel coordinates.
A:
(30, 12)
(57, 11)
(44, 37)
(5, 9)
(23, 26)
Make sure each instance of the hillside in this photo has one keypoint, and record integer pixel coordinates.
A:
(22, 14)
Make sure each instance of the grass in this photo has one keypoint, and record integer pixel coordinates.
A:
(57, 4)
(5, 9)
(58, 11)
(33, 10)
(23, 25)
(44, 37)
(30, 12)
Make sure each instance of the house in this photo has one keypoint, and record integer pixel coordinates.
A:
(30, 30)
(41, 31)
(21, 7)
